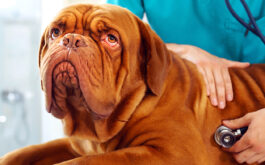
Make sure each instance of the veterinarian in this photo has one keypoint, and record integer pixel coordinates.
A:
(214, 40)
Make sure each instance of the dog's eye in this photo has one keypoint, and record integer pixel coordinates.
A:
(111, 38)
(55, 33)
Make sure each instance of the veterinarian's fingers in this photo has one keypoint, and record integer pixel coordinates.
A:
(262, 159)
(239, 122)
(201, 70)
(255, 158)
(211, 84)
(244, 143)
(228, 85)
(220, 87)
(244, 156)
(236, 64)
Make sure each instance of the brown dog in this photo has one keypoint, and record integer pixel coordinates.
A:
(125, 99)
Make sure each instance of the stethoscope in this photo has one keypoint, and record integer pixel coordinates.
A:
(252, 26)
(225, 136)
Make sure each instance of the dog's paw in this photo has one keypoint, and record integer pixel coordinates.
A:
(2, 161)
(12, 158)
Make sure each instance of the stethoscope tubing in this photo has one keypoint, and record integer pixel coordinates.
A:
(254, 30)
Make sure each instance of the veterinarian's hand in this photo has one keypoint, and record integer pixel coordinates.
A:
(251, 147)
(214, 71)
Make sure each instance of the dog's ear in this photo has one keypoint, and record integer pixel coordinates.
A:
(43, 48)
(43, 44)
(156, 58)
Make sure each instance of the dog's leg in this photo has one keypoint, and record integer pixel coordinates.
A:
(141, 155)
(48, 153)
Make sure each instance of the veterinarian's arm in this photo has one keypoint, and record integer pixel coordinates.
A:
(214, 71)
(251, 147)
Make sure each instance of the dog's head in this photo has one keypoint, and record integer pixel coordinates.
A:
(92, 57)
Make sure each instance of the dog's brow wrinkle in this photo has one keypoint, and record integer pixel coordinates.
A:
(83, 10)
(122, 120)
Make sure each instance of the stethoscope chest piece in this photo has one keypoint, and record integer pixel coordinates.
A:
(224, 137)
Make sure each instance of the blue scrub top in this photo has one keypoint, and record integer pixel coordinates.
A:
(207, 24)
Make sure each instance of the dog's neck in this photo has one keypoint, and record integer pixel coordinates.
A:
(101, 130)
(108, 128)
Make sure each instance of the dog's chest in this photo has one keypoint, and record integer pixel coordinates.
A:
(86, 147)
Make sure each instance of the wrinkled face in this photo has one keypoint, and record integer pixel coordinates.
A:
(81, 61)
(93, 60)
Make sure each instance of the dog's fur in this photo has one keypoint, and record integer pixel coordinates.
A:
(137, 104)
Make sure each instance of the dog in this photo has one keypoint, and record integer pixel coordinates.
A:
(123, 98)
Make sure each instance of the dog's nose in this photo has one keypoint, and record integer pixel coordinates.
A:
(73, 41)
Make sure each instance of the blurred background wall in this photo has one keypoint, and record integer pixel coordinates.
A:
(23, 118)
